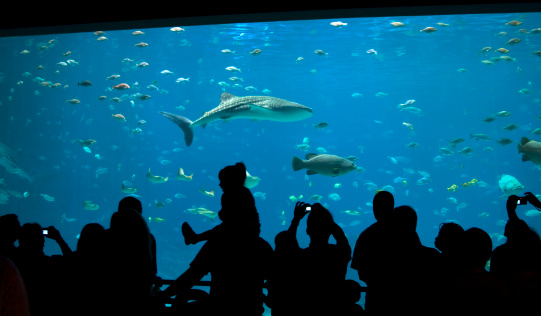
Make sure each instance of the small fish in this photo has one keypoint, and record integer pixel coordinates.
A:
(85, 83)
(65, 218)
(351, 212)
(489, 119)
(465, 150)
(156, 179)
(338, 24)
(334, 197)
(455, 142)
(510, 127)
(261, 195)
(207, 193)
(504, 141)
(157, 220)
(479, 136)
(183, 177)
(204, 212)
(372, 51)
(73, 101)
(412, 145)
(412, 110)
(128, 190)
(321, 125)
(88, 205)
(47, 197)
(232, 69)
(119, 117)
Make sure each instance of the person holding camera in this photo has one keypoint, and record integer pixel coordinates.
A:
(518, 260)
(316, 276)
(43, 275)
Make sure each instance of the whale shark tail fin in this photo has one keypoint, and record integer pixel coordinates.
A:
(183, 123)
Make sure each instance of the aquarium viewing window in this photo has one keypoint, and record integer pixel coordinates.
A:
(440, 106)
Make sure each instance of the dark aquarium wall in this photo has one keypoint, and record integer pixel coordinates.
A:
(442, 110)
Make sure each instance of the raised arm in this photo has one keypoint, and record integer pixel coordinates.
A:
(54, 234)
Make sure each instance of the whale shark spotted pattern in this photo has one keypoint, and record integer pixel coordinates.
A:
(251, 107)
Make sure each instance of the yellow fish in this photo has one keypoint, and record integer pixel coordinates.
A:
(465, 184)
(182, 176)
(453, 188)
(203, 211)
(404, 182)
(207, 193)
(156, 179)
(350, 212)
(473, 181)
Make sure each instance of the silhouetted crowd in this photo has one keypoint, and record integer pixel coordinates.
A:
(113, 271)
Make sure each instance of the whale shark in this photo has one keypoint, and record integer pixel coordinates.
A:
(250, 107)
(9, 162)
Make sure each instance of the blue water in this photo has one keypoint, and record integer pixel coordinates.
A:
(39, 125)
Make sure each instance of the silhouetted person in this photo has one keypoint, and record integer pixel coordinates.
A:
(476, 291)
(43, 275)
(130, 264)
(238, 261)
(320, 269)
(9, 233)
(13, 297)
(413, 286)
(133, 203)
(449, 242)
(518, 260)
(87, 271)
(371, 256)
(237, 202)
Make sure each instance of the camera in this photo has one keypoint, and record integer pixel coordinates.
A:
(522, 201)
(45, 231)
(308, 208)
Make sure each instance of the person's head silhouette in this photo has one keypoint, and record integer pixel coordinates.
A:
(405, 218)
(10, 228)
(319, 224)
(383, 205)
(477, 247)
(130, 202)
(449, 237)
(232, 177)
(31, 237)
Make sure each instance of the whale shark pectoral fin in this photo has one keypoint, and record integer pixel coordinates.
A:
(183, 123)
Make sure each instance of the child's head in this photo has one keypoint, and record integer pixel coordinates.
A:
(232, 176)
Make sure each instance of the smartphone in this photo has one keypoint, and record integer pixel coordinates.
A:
(45, 232)
(308, 208)
(522, 201)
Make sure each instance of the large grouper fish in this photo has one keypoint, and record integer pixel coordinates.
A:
(250, 107)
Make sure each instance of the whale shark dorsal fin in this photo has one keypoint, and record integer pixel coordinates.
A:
(226, 96)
